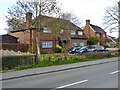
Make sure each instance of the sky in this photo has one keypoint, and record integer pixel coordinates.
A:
(93, 10)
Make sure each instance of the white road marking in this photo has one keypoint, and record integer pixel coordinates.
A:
(72, 84)
(115, 72)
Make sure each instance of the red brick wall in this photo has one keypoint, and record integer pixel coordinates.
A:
(89, 32)
(28, 37)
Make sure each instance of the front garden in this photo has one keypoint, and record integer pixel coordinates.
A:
(13, 63)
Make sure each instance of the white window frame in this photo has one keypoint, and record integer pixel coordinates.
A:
(74, 44)
(45, 30)
(83, 44)
(47, 44)
(80, 33)
(72, 32)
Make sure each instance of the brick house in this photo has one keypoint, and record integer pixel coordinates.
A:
(48, 41)
(111, 41)
(91, 30)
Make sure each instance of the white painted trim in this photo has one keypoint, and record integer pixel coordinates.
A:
(92, 28)
(111, 39)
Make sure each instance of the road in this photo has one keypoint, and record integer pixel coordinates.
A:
(96, 76)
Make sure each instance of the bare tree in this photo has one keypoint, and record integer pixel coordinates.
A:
(111, 19)
(16, 15)
(60, 27)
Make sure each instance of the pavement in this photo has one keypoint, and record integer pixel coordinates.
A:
(51, 69)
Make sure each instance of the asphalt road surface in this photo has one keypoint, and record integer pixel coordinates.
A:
(97, 76)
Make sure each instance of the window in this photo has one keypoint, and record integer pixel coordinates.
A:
(98, 35)
(82, 44)
(46, 44)
(45, 30)
(74, 44)
(72, 32)
(103, 35)
(80, 33)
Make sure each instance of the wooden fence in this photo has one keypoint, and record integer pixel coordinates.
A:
(14, 47)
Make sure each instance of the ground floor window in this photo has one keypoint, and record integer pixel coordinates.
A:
(46, 44)
(82, 44)
(74, 44)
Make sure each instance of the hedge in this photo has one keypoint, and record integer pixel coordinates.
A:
(10, 62)
(86, 55)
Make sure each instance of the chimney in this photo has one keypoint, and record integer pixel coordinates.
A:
(28, 19)
(87, 22)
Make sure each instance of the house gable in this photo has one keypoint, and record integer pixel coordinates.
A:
(93, 30)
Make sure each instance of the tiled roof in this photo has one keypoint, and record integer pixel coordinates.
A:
(97, 28)
(8, 35)
(44, 23)
(113, 38)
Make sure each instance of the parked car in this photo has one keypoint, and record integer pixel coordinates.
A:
(83, 49)
(92, 49)
(101, 48)
(74, 49)
(87, 49)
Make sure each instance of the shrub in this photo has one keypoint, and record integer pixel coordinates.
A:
(117, 45)
(92, 41)
(106, 46)
(58, 49)
(10, 62)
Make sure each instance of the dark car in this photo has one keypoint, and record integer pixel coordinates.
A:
(83, 49)
(74, 49)
(87, 49)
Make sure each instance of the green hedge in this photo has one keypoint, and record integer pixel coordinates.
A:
(86, 55)
(10, 62)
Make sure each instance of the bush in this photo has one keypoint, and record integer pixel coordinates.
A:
(106, 46)
(92, 41)
(10, 62)
(117, 45)
(97, 54)
(58, 49)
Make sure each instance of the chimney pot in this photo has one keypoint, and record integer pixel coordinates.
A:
(87, 22)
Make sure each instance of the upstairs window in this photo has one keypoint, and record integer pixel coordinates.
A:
(45, 30)
(80, 33)
(72, 32)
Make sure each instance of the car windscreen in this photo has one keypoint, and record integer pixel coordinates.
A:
(83, 47)
(102, 47)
